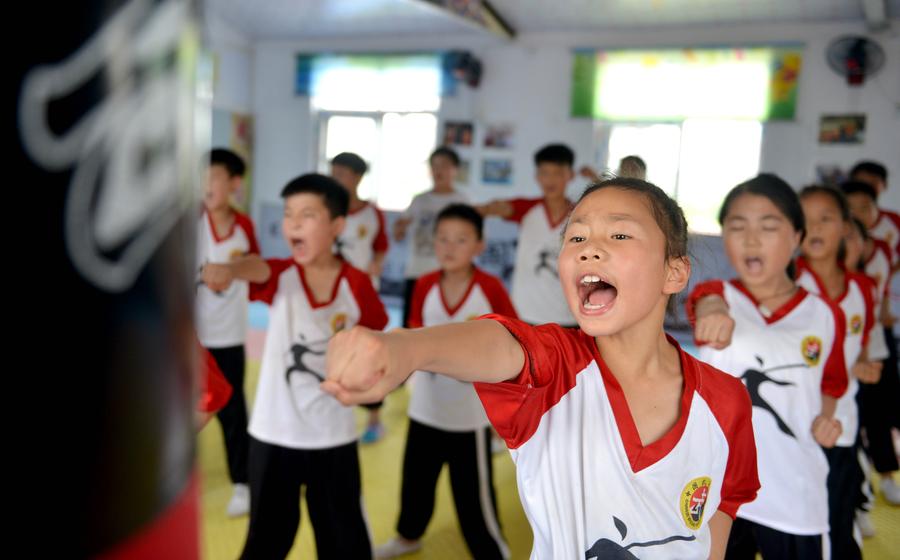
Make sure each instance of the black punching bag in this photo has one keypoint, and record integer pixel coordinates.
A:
(101, 463)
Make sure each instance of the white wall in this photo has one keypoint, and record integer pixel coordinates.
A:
(233, 53)
(527, 82)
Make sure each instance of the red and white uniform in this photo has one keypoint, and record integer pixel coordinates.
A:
(887, 229)
(787, 358)
(536, 291)
(439, 401)
(363, 236)
(589, 487)
(222, 316)
(878, 268)
(859, 312)
(290, 409)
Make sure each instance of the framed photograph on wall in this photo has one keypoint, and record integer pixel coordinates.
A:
(499, 136)
(842, 129)
(458, 133)
(496, 172)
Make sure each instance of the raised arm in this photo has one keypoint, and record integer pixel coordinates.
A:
(363, 365)
(252, 268)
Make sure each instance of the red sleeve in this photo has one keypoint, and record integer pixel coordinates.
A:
(834, 378)
(371, 311)
(420, 292)
(730, 404)
(245, 223)
(880, 245)
(895, 218)
(700, 291)
(216, 391)
(496, 295)
(868, 287)
(520, 207)
(380, 243)
(553, 358)
(265, 291)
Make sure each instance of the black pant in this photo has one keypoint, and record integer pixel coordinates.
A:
(407, 299)
(333, 499)
(233, 415)
(844, 482)
(471, 478)
(879, 411)
(747, 538)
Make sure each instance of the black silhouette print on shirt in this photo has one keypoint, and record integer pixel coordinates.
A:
(605, 549)
(546, 257)
(298, 351)
(755, 378)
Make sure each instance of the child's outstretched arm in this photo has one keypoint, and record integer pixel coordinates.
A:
(714, 325)
(719, 529)
(252, 268)
(501, 208)
(363, 366)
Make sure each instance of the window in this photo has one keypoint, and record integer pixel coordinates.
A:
(396, 146)
(696, 162)
(382, 107)
(693, 115)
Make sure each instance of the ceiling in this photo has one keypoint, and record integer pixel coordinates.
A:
(300, 19)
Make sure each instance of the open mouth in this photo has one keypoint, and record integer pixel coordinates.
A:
(297, 244)
(596, 294)
(754, 264)
(816, 242)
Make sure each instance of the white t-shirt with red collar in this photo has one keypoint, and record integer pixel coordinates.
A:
(589, 487)
(536, 291)
(422, 213)
(363, 236)
(887, 229)
(859, 312)
(290, 409)
(222, 316)
(878, 268)
(438, 401)
(787, 358)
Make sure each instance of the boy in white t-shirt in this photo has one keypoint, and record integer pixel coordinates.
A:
(300, 436)
(224, 233)
(417, 223)
(447, 422)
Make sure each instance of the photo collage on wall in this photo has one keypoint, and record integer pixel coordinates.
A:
(492, 143)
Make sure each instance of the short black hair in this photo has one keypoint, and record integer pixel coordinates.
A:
(836, 196)
(334, 196)
(233, 163)
(448, 153)
(637, 160)
(859, 187)
(352, 162)
(872, 168)
(462, 212)
(776, 189)
(555, 153)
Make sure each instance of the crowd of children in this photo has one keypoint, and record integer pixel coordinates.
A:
(625, 444)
